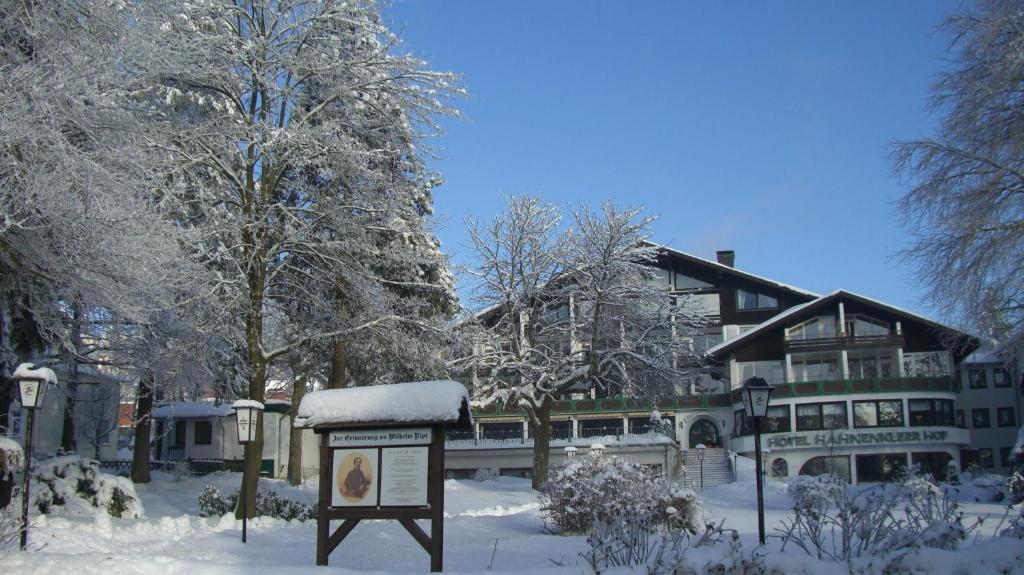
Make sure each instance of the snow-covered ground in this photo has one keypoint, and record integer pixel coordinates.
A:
(492, 525)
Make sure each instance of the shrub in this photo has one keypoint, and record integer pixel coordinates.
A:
(833, 522)
(212, 503)
(268, 504)
(1015, 486)
(599, 488)
(74, 485)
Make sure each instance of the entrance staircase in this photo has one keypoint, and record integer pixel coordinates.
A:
(717, 468)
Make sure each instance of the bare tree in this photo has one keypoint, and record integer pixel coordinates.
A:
(571, 311)
(965, 206)
(292, 135)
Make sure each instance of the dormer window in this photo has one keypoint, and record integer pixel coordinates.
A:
(748, 300)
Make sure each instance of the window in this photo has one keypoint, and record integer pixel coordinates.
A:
(879, 468)
(746, 300)
(203, 433)
(925, 412)
(688, 283)
(984, 458)
(780, 468)
(179, 434)
(815, 416)
(814, 328)
(816, 367)
(870, 364)
(835, 465)
(14, 418)
(976, 378)
(645, 425)
(777, 420)
(507, 430)
(771, 371)
(599, 427)
(740, 425)
(1005, 417)
(979, 417)
(934, 463)
(927, 364)
(1001, 378)
(878, 414)
(863, 326)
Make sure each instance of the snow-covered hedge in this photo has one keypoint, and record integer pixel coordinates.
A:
(603, 488)
(268, 504)
(76, 486)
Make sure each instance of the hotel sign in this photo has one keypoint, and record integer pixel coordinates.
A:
(842, 438)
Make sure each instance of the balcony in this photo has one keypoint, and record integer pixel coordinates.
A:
(622, 405)
(801, 344)
(461, 440)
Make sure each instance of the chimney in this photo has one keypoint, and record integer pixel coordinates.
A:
(726, 257)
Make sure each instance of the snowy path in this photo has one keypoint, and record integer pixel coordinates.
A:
(172, 539)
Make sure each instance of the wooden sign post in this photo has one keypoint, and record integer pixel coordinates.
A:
(377, 468)
(382, 473)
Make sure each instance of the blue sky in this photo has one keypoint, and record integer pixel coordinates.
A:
(762, 127)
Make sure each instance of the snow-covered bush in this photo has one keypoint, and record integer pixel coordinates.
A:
(74, 485)
(832, 521)
(11, 456)
(484, 474)
(1015, 487)
(212, 503)
(268, 504)
(10, 528)
(602, 488)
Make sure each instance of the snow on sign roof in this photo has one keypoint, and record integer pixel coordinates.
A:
(418, 401)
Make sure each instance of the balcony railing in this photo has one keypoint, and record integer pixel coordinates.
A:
(846, 341)
(622, 405)
(513, 439)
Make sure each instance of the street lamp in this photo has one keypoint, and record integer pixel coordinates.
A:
(247, 414)
(756, 393)
(570, 452)
(597, 449)
(32, 383)
(700, 458)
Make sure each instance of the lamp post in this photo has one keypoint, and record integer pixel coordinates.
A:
(32, 383)
(597, 449)
(247, 414)
(700, 458)
(570, 452)
(756, 393)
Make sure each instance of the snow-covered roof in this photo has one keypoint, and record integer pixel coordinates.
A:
(418, 401)
(731, 270)
(32, 371)
(710, 263)
(243, 403)
(192, 409)
(778, 319)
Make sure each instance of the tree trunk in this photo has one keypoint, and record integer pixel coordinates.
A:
(143, 421)
(67, 439)
(257, 389)
(295, 439)
(541, 444)
(339, 364)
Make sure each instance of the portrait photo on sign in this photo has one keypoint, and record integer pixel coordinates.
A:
(355, 477)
